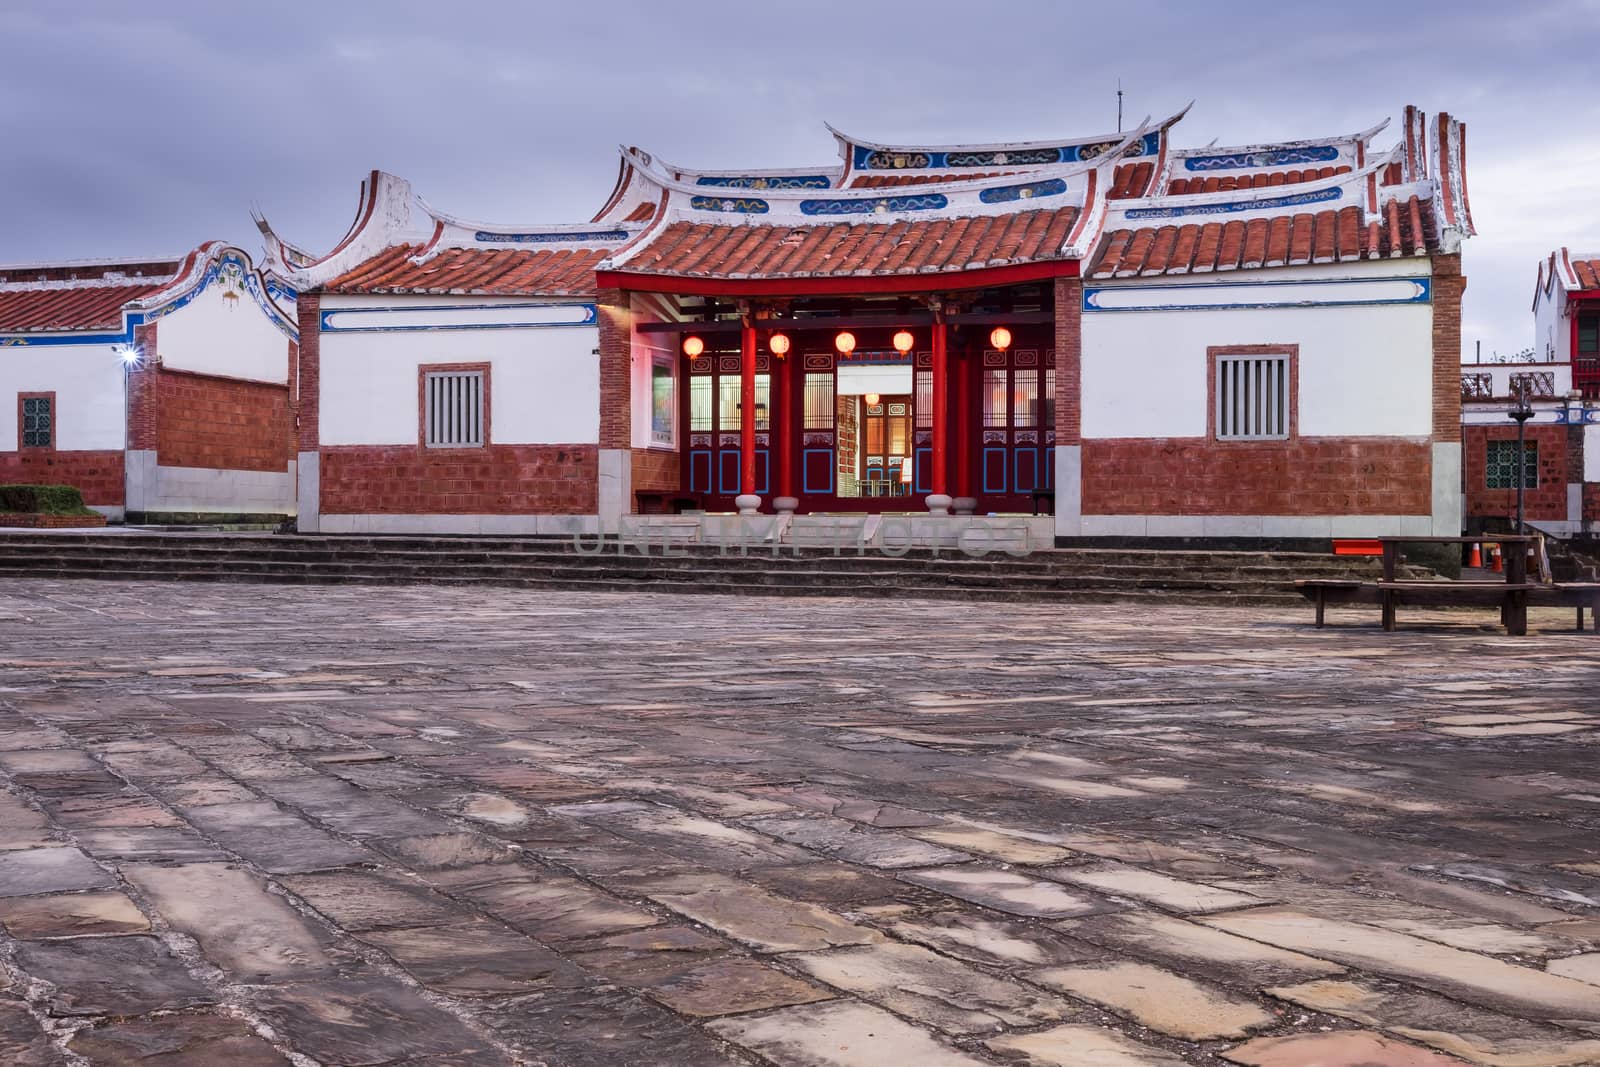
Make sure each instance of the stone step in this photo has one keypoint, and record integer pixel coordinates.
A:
(707, 586)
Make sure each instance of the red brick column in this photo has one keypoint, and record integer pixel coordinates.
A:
(1069, 353)
(616, 373)
(1448, 285)
(142, 407)
(308, 309)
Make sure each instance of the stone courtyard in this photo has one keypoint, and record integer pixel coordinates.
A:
(254, 825)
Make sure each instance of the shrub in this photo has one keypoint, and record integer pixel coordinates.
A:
(42, 499)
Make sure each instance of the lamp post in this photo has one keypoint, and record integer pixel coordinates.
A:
(1521, 414)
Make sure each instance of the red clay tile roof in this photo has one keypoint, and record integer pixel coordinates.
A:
(887, 181)
(844, 249)
(643, 213)
(1131, 180)
(1282, 240)
(91, 307)
(1588, 272)
(489, 271)
(1226, 182)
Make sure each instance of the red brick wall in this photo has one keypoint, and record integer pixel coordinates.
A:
(221, 423)
(1448, 285)
(98, 475)
(497, 480)
(142, 415)
(656, 471)
(1548, 500)
(616, 386)
(308, 308)
(1069, 350)
(1308, 476)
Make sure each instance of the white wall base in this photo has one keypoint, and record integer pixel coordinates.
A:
(1274, 526)
(1069, 488)
(481, 525)
(201, 489)
(138, 479)
(112, 512)
(308, 472)
(1448, 506)
(616, 486)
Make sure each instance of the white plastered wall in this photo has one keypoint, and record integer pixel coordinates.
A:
(544, 381)
(230, 338)
(1364, 370)
(88, 383)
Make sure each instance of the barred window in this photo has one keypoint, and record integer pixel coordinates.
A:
(1048, 412)
(700, 402)
(1024, 398)
(924, 399)
(454, 407)
(1252, 398)
(994, 396)
(819, 402)
(1502, 465)
(38, 422)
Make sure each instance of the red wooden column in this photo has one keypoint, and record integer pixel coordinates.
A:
(747, 412)
(939, 483)
(963, 432)
(786, 420)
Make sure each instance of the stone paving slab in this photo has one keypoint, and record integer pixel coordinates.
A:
(430, 826)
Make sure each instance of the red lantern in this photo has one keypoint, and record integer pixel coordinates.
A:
(1000, 338)
(845, 342)
(903, 341)
(778, 343)
(871, 399)
(693, 346)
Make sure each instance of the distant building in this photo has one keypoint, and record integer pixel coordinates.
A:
(160, 388)
(1561, 383)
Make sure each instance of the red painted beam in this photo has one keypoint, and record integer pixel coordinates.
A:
(981, 278)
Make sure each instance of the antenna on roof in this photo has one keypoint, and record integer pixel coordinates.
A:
(1119, 105)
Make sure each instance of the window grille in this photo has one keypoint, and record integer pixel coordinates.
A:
(924, 399)
(700, 402)
(1502, 465)
(454, 408)
(1252, 398)
(38, 422)
(819, 401)
(1024, 398)
(994, 396)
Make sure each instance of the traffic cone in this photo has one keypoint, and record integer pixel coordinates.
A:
(1475, 556)
(1497, 561)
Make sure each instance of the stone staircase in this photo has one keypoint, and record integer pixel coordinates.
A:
(551, 563)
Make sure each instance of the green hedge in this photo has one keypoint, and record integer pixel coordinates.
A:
(42, 499)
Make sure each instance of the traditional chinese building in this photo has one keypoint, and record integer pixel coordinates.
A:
(1559, 384)
(160, 388)
(1245, 344)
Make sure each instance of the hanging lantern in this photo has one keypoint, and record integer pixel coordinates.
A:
(693, 346)
(845, 342)
(903, 341)
(872, 399)
(778, 343)
(1000, 338)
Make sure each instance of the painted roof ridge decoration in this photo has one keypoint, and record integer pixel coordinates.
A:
(1447, 146)
(384, 217)
(1347, 187)
(971, 193)
(95, 272)
(456, 230)
(1362, 137)
(472, 270)
(218, 261)
(67, 307)
(861, 154)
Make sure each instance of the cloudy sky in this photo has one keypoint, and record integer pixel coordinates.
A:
(133, 129)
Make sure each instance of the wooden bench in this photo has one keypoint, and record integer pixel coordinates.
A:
(1513, 599)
